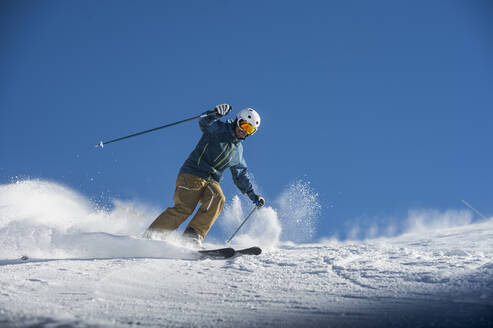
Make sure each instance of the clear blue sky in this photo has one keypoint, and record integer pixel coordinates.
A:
(384, 106)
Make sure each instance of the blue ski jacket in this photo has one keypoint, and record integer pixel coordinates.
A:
(217, 150)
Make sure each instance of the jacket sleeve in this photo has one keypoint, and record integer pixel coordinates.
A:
(207, 124)
(240, 176)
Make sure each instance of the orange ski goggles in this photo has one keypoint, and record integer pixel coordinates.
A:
(247, 127)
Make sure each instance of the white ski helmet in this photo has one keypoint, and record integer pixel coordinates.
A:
(249, 115)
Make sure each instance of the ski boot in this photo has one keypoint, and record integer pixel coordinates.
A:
(192, 237)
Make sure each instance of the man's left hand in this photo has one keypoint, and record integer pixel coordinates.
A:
(259, 201)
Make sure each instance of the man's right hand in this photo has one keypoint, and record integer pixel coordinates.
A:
(222, 109)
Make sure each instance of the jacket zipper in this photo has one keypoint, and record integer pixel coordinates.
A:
(225, 147)
(225, 156)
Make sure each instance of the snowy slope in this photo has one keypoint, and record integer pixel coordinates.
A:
(439, 277)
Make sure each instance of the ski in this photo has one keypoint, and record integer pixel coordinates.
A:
(228, 252)
(220, 253)
(249, 251)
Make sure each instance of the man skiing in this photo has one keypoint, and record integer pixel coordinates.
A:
(198, 180)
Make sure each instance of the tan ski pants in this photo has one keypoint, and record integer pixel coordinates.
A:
(189, 191)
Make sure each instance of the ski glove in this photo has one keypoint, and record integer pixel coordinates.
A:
(222, 109)
(256, 199)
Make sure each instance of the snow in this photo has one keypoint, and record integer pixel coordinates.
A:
(89, 267)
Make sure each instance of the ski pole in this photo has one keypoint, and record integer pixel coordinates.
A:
(241, 225)
(475, 210)
(101, 144)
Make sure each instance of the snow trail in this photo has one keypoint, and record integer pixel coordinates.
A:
(46, 220)
(439, 279)
(439, 273)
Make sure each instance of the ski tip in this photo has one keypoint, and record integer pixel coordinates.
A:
(255, 250)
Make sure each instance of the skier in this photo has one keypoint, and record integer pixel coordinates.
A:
(198, 180)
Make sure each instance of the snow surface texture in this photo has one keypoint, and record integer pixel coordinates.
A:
(89, 267)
